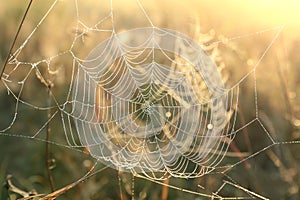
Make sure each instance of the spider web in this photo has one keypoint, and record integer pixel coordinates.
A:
(141, 99)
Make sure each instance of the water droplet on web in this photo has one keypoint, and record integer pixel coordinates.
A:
(210, 126)
(168, 114)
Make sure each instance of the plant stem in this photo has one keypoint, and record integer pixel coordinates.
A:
(15, 38)
(165, 189)
(48, 159)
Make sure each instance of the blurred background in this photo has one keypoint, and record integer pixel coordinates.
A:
(237, 35)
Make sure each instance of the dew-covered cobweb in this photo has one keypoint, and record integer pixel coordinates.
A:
(136, 96)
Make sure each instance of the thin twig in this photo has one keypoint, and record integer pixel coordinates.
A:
(240, 156)
(245, 130)
(48, 132)
(132, 187)
(63, 190)
(165, 189)
(15, 38)
(286, 174)
(12, 188)
(283, 84)
(120, 184)
(246, 190)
